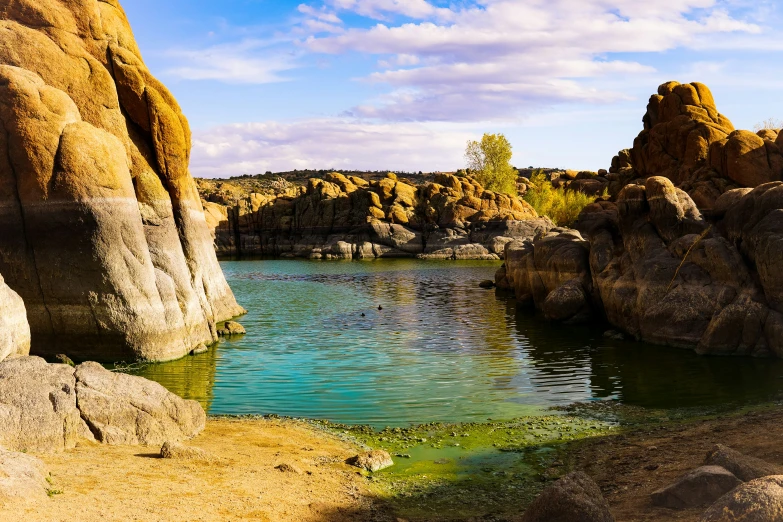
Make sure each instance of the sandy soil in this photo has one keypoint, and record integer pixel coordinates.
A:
(631, 466)
(105, 483)
(110, 483)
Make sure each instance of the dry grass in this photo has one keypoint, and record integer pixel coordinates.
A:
(558, 204)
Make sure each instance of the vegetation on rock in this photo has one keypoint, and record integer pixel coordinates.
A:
(559, 204)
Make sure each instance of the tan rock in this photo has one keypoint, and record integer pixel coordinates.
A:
(96, 155)
(759, 500)
(22, 477)
(124, 409)
(14, 329)
(573, 498)
(178, 451)
(372, 460)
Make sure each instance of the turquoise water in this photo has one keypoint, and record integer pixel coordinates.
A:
(441, 349)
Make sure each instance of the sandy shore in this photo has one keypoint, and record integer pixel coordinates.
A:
(241, 481)
(116, 483)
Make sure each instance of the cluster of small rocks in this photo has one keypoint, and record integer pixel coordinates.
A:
(734, 487)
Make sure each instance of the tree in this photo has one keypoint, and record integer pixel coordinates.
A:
(489, 161)
(768, 124)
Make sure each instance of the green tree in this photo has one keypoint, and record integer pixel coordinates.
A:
(489, 161)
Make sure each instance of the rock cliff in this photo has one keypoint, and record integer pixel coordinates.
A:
(102, 231)
(341, 217)
(689, 250)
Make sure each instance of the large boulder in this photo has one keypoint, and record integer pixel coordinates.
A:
(123, 409)
(573, 498)
(102, 232)
(14, 328)
(759, 500)
(51, 407)
(38, 409)
(742, 466)
(699, 487)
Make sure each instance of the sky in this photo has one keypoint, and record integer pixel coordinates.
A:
(402, 85)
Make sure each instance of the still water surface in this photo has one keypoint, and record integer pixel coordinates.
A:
(441, 349)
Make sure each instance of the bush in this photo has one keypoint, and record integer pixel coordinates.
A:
(558, 204)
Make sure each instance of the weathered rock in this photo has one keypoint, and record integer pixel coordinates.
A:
(200, 349)
(372, 460)
(742, 466)
(343, 218)
(573, 498)
(14, 329)
(38, 406)
(178, 451)
(231, 328)
(487, 284)
(700, 487)
(102, 231)
(759, 500)
(22, 478)
(124, 409)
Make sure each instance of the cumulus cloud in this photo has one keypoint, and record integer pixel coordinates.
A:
(233, 63)
(252, 148)
(502, 58)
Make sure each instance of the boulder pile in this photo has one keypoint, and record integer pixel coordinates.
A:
(347, 217)
(688, 250)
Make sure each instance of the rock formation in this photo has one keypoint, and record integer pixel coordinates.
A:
(102, 231)
(687, 252)
(50, 407)
(343, 217)
(14, 329)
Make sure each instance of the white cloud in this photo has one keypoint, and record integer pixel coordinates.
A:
(233, 63)
(502, 58)
(253, 148)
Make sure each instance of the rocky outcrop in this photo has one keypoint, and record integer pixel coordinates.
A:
(573, 498)
(759, 500)
(102, 232)
(687, 140)
(744, 467)
(341, 217)
(50, 407)
(14, 329)
(656, 262)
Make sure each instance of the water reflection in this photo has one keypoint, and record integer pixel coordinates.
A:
(441, 349)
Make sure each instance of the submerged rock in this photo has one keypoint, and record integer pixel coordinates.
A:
(700, 487)
(760, 500)
(372, 460)
(103, 234)
(231, 328)
(573, 498)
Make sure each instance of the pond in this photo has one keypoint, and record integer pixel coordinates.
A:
(400, 342)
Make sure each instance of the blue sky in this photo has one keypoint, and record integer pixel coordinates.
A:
(403, 84)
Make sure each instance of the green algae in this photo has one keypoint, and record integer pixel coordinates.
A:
(446, 471)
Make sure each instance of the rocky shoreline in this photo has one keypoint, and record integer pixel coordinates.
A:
(687, 250)
(341, 217)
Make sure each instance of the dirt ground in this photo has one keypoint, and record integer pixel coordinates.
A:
(113, 483)
(629, 467)
(242, 482)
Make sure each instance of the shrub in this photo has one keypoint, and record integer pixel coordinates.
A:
(558, 204)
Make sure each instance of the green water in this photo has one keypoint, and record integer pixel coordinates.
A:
(441, 349)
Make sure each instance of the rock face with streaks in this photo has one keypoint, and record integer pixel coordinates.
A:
(341, 217)
(688, 251)
(102, 231)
